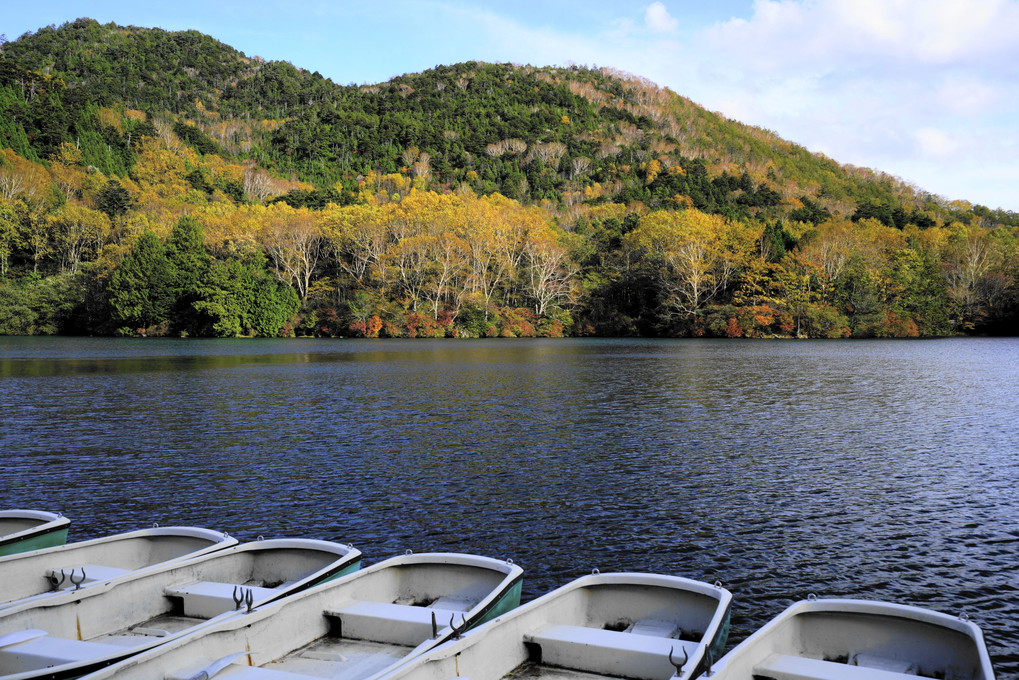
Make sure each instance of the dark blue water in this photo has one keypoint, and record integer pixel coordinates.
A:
(885, 470)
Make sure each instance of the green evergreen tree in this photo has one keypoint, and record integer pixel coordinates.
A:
(113, 199)
(189, 263)
(774, 242)
(222, 300)
(273, 304)
(141, 292)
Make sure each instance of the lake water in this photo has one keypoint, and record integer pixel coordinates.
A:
(875, 469)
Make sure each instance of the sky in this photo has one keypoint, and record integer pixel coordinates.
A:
(925, 90)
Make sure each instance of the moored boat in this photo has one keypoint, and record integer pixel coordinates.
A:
(79, 631)
(625, 625)
(841, 639)
(24, 530)
(43, 573)
(357, 628)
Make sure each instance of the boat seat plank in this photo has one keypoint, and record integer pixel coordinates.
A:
(654, 628)
(45, 651)
(789, 667)
(453, 603)
(609, 652)
(399, 624)
(206, 599)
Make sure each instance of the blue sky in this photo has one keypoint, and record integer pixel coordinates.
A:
(927, 90)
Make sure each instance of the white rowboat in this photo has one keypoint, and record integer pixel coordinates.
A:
(43, 573)
(835, 639)
(79, 631)
(638, 626)
(356, 628)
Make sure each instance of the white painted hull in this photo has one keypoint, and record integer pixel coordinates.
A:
(355, 628)
(859, 640)
(76, 632)
(600, 626)
(104, 560)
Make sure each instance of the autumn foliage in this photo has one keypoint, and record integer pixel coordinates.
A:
(231, 196)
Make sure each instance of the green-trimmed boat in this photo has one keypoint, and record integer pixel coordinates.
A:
(355, 628)
(24, 530)
(599, 627)
(76, 632)
(48, 572)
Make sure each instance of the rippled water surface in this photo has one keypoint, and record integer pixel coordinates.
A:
(884, 470)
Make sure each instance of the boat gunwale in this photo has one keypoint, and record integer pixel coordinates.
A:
(887, 609)
(219, 540)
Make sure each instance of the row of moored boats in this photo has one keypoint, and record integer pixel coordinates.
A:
(183, 603)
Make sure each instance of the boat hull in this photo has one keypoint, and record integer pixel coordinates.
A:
(27, 530)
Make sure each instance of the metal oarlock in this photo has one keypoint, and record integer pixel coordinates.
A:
(243, 596)
(678, 666)
(55, 583)
(457, 632)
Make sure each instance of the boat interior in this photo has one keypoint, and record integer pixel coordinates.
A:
(602, 630)
(353, 629)
(77, 565)
(49, 635)
(620, 632)
(861, 646)
(365, 630)
(13, 525)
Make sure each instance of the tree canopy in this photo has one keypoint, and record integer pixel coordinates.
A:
(164, 181)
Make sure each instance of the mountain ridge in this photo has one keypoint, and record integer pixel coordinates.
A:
(317, 123)
(504, 199)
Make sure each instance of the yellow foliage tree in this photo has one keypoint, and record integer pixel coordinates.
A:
(695, 255)
(77, 232)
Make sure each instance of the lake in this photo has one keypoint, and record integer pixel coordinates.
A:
(874, 469)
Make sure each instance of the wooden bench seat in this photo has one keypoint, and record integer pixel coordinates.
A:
(788, 667)
(206, 599)
(608, 652)
(398, 624)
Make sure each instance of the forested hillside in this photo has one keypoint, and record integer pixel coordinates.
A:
(164, 183)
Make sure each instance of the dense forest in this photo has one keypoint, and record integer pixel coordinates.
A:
(162, 183)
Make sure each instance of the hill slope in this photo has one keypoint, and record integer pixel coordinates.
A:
(579, 128)
(370, 201)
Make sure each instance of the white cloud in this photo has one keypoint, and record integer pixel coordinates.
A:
(828, 31)
(934, 142)
(967, 95)
(899, 85)
(658, 20)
